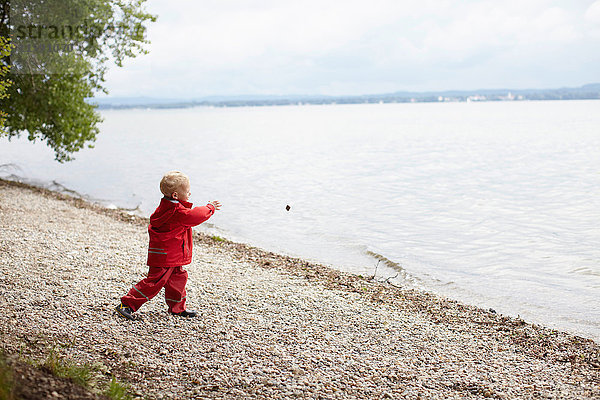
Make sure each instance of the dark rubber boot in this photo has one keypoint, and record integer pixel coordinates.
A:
(125, 312)
(187, 314)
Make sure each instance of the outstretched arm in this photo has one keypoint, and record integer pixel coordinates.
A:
(197, 215)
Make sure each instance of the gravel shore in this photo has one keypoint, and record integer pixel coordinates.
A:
(269, 326)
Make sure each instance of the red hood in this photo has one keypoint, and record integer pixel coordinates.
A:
(161, 219)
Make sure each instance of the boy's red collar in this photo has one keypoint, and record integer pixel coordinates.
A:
(186, 204)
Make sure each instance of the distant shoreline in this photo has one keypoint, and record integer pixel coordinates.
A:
(586, 92)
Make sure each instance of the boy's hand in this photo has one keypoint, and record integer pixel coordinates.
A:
(215, 204)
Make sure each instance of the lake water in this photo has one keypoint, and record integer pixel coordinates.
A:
(496, 204)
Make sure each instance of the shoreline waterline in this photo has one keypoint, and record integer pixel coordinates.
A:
(382, 270)
(130, 216)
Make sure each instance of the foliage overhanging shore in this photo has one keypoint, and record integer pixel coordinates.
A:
(270, 326)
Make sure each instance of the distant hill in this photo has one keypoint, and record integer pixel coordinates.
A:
(589, 91)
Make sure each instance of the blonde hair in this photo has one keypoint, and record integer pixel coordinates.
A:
(172, 182)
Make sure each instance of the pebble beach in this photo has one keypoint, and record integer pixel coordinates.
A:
(269, 326)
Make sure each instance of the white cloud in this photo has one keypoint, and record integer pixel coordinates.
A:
(592, 14)
(308, 28)
(235, 46)
(592, 17)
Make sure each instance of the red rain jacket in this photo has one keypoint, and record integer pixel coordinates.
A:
(170, 232)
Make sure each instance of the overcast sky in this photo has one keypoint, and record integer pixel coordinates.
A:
(341, 47)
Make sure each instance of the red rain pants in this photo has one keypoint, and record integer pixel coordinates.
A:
(173, 279)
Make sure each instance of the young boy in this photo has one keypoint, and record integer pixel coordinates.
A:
(170, 247)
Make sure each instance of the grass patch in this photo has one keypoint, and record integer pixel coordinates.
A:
(217, 238)
(82, 375)
(85, 375)
(117, 390)
(6, 380)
